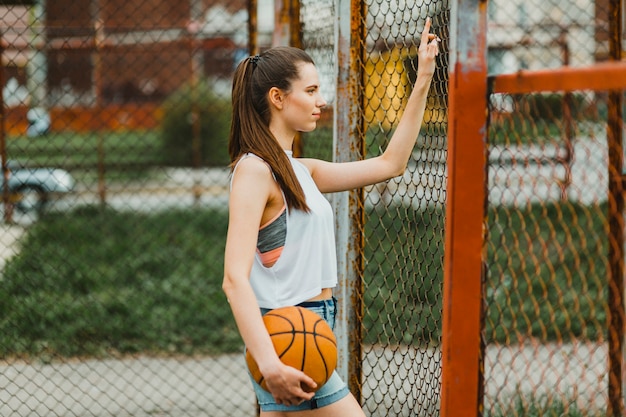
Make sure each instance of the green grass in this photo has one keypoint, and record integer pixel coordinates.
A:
(123, 155)
(403, 276)
(69, 149)
(516, 130)
(533, 405)
(97, 282)
(546, 274)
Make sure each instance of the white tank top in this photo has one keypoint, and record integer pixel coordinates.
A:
(308, 262)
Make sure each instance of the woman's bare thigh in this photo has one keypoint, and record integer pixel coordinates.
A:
(346, 407)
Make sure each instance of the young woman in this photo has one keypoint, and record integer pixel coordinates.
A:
(280, 247)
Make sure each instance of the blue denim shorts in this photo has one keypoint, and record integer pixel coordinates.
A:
(332, 391)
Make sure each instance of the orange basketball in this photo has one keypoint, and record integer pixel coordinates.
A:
(303, 340)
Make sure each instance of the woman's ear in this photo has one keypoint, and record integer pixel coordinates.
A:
(276, 97)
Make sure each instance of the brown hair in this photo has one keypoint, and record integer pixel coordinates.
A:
(249, 130)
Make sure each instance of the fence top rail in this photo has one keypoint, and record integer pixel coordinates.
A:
(601, 76)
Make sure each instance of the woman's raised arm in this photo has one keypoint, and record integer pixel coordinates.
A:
(332, 177)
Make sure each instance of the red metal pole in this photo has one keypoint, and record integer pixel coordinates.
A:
(599, 77)
(462, 387)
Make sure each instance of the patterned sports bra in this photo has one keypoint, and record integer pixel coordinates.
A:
(271, 240)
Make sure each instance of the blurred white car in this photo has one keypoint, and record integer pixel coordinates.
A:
(30, 189)
(38, 121)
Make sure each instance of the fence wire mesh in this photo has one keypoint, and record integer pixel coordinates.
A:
(547, 262)
(547, 266)
(404, 217)
(114, 121)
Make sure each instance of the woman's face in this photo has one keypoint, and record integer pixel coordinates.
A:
(303, 104)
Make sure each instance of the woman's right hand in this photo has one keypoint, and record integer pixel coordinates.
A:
(289, 386)
(428, 50)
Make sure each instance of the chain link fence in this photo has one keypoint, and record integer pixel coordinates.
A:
(548, 255)
(547, 263)
(113, 144)
(404, 217)
(115, 116)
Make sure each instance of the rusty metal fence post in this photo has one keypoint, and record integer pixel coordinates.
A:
(349, 206)
(520, 143)
(461, 388)
(601, 344)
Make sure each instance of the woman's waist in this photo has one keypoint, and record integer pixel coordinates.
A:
(326, 294)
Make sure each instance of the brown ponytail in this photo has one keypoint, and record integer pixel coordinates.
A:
(249, 131)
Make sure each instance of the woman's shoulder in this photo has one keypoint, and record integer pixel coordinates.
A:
(251, 165)
(252, 162)
(251, 178)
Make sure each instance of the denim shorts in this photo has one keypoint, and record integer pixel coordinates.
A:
(332, 391)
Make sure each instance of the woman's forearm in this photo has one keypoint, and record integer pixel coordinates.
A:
(249, 321)
(401, 145)
(402, 142)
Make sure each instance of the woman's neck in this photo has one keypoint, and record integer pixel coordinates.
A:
(283, 136)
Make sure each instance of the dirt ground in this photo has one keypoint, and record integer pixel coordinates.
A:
(401, 381)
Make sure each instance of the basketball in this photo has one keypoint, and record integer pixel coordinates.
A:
(303, 340)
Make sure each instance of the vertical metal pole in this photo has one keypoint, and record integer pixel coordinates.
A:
(349, 145)
(282, 31)
(37, 66)
(295, 26)
(195, 62)
(98, 44)
(287, 27)
(253, 24)
(8, 206)
(99, 39)
(295, 39)
(461, 390)
(616, 224)
(568, 122)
